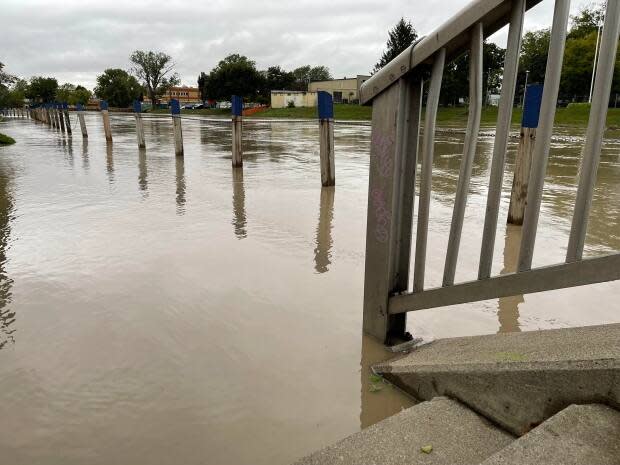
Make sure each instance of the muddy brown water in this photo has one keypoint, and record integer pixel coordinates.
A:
(167, 310)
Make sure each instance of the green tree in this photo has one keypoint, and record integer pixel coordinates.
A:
(154, 69)
(234, 75)
(534, 56)
(118, 87)
(42, 89)
(6, 80)
(400, 37)
(304, 75)
(278, 79)
(73, 94)
(455, 82)
(586, 21)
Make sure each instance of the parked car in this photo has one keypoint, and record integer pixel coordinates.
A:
(189, 106)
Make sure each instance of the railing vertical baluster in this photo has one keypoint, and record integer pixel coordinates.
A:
(410, 148)
(545, 129)
(469, 151)
(596, 130)
(428, 147)
(502, 132)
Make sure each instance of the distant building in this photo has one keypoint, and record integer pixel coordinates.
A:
(342, 90)
(299, 98)
(183, 94)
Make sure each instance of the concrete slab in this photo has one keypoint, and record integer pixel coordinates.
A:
(579, 434)
(518, 380)
(455, 433)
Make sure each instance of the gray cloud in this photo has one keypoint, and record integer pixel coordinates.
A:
(75, 40)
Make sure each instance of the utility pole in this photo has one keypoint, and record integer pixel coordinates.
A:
(527, 74)
(598, 40)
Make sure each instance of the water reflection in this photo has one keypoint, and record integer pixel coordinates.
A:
(324, 241)
(85, 159)
(239, 219)
(378, 400)
(109, 163)
(143, 183)
(180, 182)
(7, 316)
(508, 311)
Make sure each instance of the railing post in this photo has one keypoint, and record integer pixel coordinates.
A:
(523, 161)
(65, 110)
(326, 131)
(137, 110)
(106, 121)
(80, 113)
(393, 155)
(175, 111)
(237, 130)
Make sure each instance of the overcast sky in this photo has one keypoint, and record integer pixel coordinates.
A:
(75, 40)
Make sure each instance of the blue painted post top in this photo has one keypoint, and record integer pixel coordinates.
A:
(531, 107)
(103, 104)
(326, 105)
(65, 106)
(137, 106)
(79, 107)
(237, 105)
(175, 108)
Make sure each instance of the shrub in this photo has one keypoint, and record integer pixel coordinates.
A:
(6, 140)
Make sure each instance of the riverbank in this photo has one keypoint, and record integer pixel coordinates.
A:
(576, 115)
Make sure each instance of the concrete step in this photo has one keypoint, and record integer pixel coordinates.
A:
(517, 380)
(455, 433)
(579, 434)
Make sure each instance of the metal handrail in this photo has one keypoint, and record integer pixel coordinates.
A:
(395, 93)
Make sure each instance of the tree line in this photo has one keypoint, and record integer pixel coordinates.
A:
(237, 75)
(152, 73)
(576, 70)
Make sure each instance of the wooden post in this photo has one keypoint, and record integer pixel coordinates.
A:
(106, 121)
(48, 114)
(175, 110)
(65, 110)
(523, 161)
(60, 117)
(80, 113)
(137, 110)
(237, 131)
(326, 131)
(52, 116)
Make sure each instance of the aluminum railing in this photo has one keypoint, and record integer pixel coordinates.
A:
(396, 96)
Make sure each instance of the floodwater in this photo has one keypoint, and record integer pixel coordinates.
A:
(168, 310)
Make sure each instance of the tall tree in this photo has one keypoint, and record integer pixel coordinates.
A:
(455, 82)
(304, 75)
(73, 94)
(587, 21)
(5, 78)
(154, 69)
(400, 37)
(234, 75)
(534, 56)
(118, 87)
(42, 89)
(278, 79)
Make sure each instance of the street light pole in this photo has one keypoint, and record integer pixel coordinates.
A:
(527, 74)
(598, 39)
